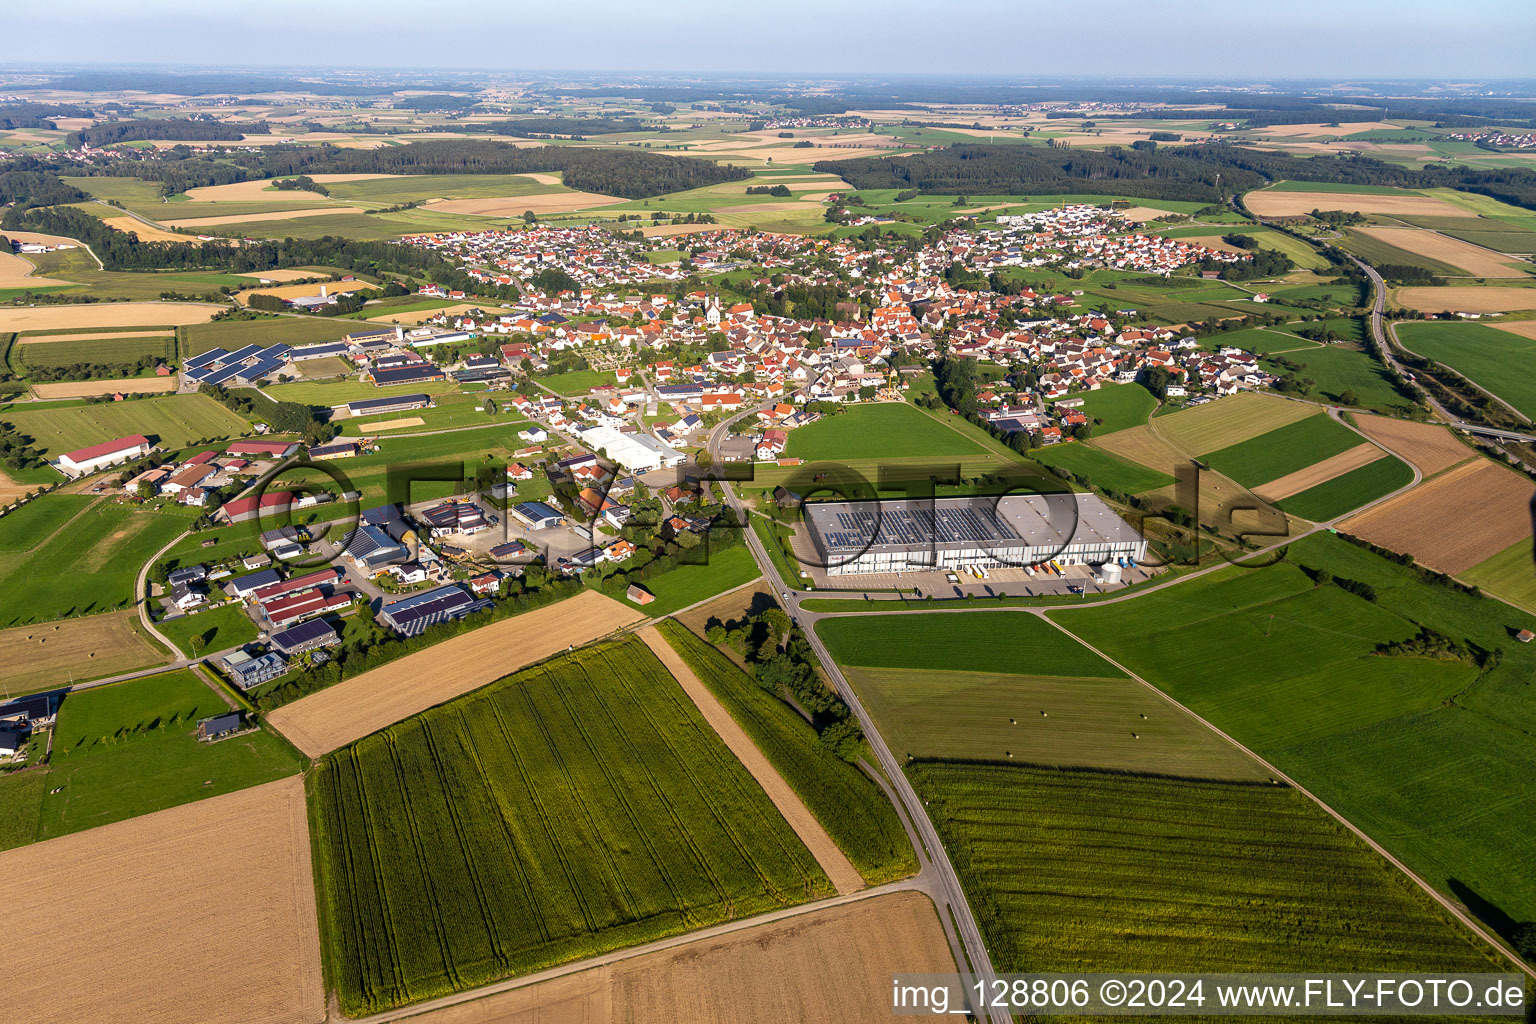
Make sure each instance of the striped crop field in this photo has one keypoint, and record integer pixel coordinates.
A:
(849, 804)
(571, 809)
(1098, 871)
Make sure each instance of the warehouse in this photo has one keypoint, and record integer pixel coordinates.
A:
(399, 403)
(306, 636)
(536, 515)
(406, 373)
(853, 538)
(637, 453)
(107, 453)
(410, 616)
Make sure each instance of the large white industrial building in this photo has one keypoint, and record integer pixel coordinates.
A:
(854, 538)
(637, 453)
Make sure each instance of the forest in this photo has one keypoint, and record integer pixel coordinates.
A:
(633, 174)
(532, 127)
(175, 129)
(1184, 174)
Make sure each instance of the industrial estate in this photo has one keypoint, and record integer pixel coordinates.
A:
(511, 547)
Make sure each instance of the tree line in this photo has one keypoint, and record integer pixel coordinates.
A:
(180, 129)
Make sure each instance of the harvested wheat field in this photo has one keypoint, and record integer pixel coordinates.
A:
(516, 206)
(1209, 241)
(16, 272)
(1231, 420)
(1320, 472)
(830, 966)
(297, 291)
(408, 421)
(1468, 298)
(93, 388)
(105, 314)
(10, 489)
(1141, 445)
(1332, 130)
(202, 911)
(1524, 328)
(669, 230)
(1474, 259)
(1456, 520)
(1426, 447)
(39, 339)
(244, 218)
(420, 316)
(1269, 203)
(367, 703)
(256, 190)
(145, 232)
(843, 875)
(49, 654)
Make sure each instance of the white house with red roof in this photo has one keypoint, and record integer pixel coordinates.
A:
(107, 453)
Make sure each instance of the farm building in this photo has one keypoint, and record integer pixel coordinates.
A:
(243, 510)
(399, 403)
(244, 586)
(262, 449)
(454, 517)
(853, 538)
(107, 453)
(12, 740)
(306, 636)
(334, 450)
(34, 709)
(637, 453)
(536, 515)
(319, 578)
(218, 725)
(406, 373)
(414, 614)
(371, 548)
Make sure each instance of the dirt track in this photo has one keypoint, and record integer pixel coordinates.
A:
(200, 912)
(830, 966)
(1320, 472)
(845, 877)
(367, 703)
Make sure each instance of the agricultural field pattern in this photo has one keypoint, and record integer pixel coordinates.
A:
(491, 539)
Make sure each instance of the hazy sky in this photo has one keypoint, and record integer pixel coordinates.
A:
(1336, 39)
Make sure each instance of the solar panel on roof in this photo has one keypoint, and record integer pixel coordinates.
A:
(278, 351)
(243, 353)
(222, 375)
(204, 358)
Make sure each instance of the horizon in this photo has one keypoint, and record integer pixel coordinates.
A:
(690, 37)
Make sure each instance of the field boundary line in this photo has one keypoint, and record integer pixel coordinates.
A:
(619, 955)
(1444, 901)
(839, 869)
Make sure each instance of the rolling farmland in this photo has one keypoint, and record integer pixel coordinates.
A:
(1428, 447)
(38, 657)
(115, 924)
(131, 748)
(849, 805)
(984, 641)
(1501, 362)
(1042, 719)
(365, 703)
(1282, 451)
(84, 560)
(612, 812)
(171, 421)
(1092, 871)
(891, 430)
(1338, 495)
(1230, 421)
(1102, 468)
(1402, 745)
(769, 974)
(1417, 522)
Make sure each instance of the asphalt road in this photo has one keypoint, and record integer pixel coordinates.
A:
(943, 884)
